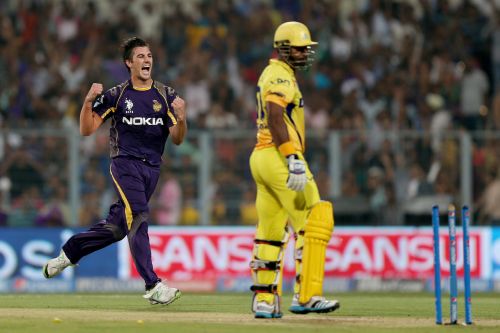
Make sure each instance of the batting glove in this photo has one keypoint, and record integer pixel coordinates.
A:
(296, 174)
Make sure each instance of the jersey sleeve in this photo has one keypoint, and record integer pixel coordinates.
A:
(105, 105)
(171, 94)
(279, 89)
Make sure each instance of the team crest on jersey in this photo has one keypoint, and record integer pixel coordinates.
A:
(156, 105)
(128, 106)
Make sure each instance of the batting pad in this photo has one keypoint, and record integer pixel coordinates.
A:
(318, 231)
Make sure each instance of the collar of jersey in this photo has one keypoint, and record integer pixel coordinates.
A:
(140, 89)
(282, 64)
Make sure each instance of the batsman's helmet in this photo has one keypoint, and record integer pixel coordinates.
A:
(294, 34)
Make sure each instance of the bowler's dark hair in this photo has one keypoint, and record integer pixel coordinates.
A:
(128, 46)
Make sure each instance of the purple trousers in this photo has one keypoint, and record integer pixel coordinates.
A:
(134, 181)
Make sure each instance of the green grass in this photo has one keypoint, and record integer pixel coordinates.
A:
(120, 313)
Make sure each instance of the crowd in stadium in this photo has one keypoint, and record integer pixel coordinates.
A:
(385, 65)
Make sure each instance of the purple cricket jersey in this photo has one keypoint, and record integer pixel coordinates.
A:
(140, 119)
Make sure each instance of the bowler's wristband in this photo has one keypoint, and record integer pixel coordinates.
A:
(287, 148)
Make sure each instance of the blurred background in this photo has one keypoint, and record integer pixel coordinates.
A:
(402, 107)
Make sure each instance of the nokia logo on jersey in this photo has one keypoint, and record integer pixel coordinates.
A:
(142, 121)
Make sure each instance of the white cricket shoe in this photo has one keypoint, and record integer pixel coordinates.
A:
(317, 304)
(265, 310)
(162, 294)
(55, 266)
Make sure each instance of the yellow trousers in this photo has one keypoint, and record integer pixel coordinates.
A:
(276, 206)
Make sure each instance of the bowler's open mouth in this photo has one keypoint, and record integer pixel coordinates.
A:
(146, 69)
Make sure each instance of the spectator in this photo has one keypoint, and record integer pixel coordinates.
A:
(440, 121)
(23, 171)
(376, 191)
(248, 212)
(55, 211)
(418, 185)
(169, 200)
(25, 208)
(474, 89)
(190, 214)
(487, 205)
(3, 213)
(218, 118)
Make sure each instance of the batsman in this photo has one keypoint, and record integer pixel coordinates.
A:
(286, 190)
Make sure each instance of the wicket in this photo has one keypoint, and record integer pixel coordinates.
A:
(453, 264)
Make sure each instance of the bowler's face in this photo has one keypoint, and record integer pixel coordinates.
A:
(142, 63)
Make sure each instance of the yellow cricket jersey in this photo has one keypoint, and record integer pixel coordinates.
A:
(277, 84)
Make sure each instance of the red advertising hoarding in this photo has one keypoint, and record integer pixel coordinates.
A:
(203, 254)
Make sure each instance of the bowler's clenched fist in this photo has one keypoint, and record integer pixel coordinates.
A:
(179, 108)
(94, 91)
